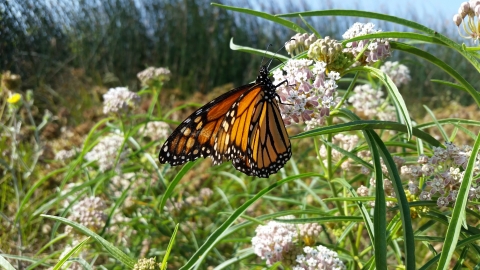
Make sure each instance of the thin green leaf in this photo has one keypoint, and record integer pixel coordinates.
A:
(470, 56)
(113, 250)
(404, 207)
(458, 212)
(169, 248)
(317, 34)
(434, 60)
(34, 188)
(393, 92)
(348, 154)
(251, 50)
(432, 115)
(450, 121)
(464, 242)
(363, 210)
(5, 264)
(289, 24)
(454, 85)
(214, 237)
(364, 125)
(380, 213)
(174, 183)
(235, 260)
(70, 253)
(404, 35)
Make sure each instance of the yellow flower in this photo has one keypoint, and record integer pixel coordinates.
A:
(15, 98)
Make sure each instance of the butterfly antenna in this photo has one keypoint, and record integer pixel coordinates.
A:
(266, 50)
(273, 57)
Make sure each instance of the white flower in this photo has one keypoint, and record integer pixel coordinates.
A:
(273, 240)
(156, 130)
(308, 94)
(320, 258)
(377, 49)
(106, 151)
(119, 100)
(400, 74)
(369, 102)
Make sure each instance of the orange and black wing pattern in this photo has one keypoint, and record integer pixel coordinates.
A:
(243, 125)
(195, 136)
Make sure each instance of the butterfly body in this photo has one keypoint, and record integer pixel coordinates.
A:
(243, 125)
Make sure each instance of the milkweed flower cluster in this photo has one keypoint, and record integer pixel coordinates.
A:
(156, 130)
(70, 264)
(344, 141)
(299, 43)
(194, 201)
(152, 74)
(388, 188)
(147, 264)
(318, 257)
(377, 49)
(330, 51)
(309, 232)
(90, 212)
(400, 74)
(125, 181)
(106, 151)
(64, 155)
(307, 95)
(280, 242)
(471, 11)
(274, 240)
(370, 103)
(119, 100)
(443, 174)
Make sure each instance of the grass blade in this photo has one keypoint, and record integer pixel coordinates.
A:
(289, 24)
(70, 253)
(404, 207)
(113, 250)
(169, 248)
(5, 264)
(364, 125)
(174, 183)
(380, 212)
(458, 214)
(214, 237)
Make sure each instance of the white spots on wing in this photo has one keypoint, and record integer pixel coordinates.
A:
(225, 125)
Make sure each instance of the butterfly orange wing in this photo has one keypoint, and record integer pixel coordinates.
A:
(195, 136)
(253, 134)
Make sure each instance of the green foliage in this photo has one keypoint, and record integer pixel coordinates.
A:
(108, 203)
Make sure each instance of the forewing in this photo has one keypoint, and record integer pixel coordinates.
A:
(195, 136)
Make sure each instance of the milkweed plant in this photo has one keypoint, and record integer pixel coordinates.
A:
(367, 186)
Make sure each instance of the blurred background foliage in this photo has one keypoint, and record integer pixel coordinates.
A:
(62, 49)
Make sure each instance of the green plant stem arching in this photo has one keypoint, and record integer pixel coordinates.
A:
(471, 57)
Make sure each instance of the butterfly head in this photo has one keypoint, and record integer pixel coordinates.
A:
(263, 76)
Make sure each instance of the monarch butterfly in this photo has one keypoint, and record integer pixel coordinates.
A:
(243, 125)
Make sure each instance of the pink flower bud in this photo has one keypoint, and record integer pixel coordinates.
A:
(464, 9)
(457, 19)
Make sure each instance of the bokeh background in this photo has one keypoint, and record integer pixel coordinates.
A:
(66, 51)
